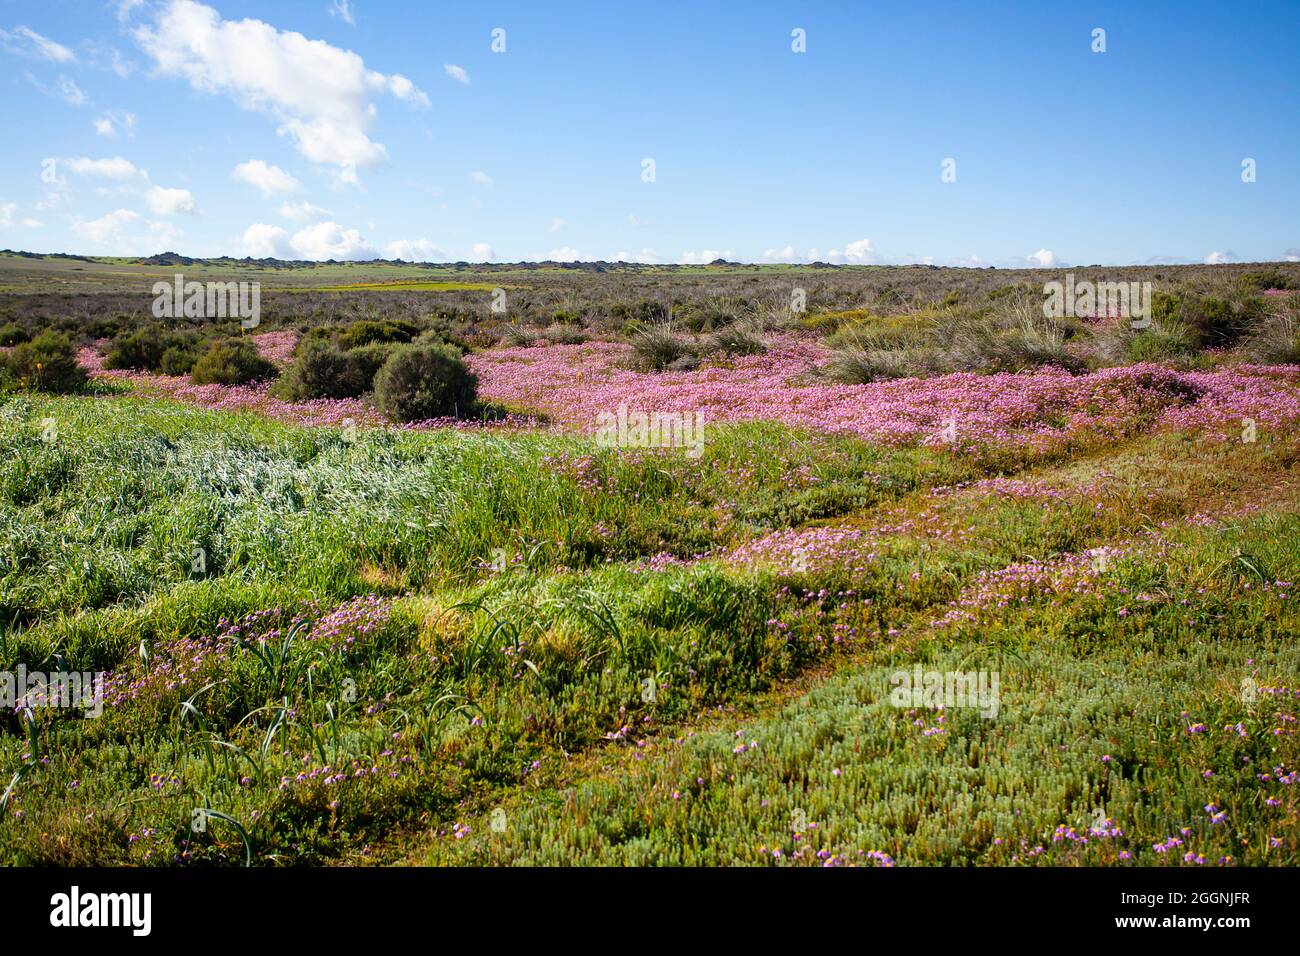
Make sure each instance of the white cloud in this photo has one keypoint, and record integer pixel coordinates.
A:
(263, 241)
(343, 10)
(112, 120)
(303, 211)
(704, 257)
(859, 252)
(1043, 258)
(569, 254)
(27, 42)
(786, 254)
(113, 167)
(1291, 255)
(414, 250)
(457, 73)
(329, 240)
(483, 252)
(125, 232)
(1219, 258)
(170, 202)
(556, 224)
(105, 228)
(320, 94)
(632, 220)
(325, 240)
(269, 179)
(480, 177)
(645, 257)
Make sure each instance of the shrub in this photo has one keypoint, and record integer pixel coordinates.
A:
(232, 361)
(425, 381)
(1160, 342)
(142, 348)
(364, 363)
(1269, 279)
(48, 363)
(177, 361)
(369, 331)
(13, 334)
(444, 336)
(1218, 321)
(318, 370)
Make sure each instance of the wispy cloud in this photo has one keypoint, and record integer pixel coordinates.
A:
(27, 42)
(111, 121)
(343, 10)
(303, 212)
(65, 88)
(457, 73)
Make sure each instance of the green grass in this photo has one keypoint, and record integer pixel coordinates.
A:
(501, 621)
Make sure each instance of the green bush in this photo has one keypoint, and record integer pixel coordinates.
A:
(368, 331)
(364, 362)
(231, 362)
(1162, 341)
(177, 361)
(321, 370)
(1217, 321)
(47, 363)
(318, 370)
(425, 381)
(13, 334)
(139, 349)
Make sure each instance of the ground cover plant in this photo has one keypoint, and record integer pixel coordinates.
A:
(378, 581)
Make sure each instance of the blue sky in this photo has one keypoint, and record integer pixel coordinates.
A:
(331, 129)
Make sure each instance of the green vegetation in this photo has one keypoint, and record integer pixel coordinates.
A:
(231, 362)
(357, 646)
(419, 382)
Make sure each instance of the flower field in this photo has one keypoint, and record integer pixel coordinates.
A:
(502, 639)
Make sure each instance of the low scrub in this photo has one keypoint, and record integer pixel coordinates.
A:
(420, 382)
(231, 362)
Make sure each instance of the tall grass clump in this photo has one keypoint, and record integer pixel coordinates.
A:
(657, 346)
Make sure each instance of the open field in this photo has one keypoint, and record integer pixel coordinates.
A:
(503, 636)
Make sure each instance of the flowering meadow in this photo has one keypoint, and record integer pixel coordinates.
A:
(512, 638)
